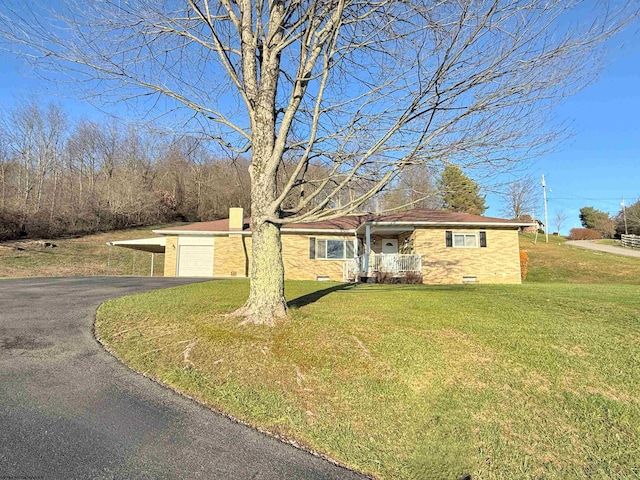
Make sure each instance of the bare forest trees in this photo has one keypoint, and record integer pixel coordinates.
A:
(415, 187)
(57, 178)
(364, 90)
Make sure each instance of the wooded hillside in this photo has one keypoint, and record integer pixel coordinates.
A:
(59, 176)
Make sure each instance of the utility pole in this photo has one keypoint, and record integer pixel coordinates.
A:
(624, 215)
(546, 218)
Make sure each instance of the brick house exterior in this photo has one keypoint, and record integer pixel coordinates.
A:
(442, 247)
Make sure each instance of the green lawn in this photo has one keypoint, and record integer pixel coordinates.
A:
(556, 262)
(411, 382)
(609, 241)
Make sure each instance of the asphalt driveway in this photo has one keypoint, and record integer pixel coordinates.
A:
(591, 245)
(70, 410)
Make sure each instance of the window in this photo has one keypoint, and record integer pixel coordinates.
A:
(465, 240)
(333, 249)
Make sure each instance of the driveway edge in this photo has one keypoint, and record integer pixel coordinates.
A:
(238, 421)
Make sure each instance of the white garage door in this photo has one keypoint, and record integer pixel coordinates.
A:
(195, 261)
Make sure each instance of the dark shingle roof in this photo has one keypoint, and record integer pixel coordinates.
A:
(439, 216)
(352, 222)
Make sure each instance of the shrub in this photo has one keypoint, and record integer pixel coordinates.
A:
(524, 264)
(584, 234)
(10, 226)
(408, 278)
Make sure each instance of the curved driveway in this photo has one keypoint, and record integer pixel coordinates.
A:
(70, 410)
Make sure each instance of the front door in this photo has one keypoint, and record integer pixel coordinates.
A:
(389, 245)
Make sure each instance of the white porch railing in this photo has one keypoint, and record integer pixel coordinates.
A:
(395, 263)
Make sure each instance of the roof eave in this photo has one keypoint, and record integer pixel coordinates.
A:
(444, 224)
(201, 232)
(350, 231)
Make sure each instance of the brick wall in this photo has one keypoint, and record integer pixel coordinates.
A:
(231, 256)
(171, 256)
(499, 262)
(298, 265)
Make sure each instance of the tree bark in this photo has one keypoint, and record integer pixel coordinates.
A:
(266, 303)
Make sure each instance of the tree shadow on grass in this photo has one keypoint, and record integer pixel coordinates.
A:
(381, 287)
(317, 295)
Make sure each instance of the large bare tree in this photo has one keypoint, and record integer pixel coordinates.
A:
(363, 89)
(520, 198)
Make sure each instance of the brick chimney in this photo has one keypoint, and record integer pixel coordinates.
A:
(236, 219)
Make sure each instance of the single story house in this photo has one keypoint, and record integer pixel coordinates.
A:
(442, 247)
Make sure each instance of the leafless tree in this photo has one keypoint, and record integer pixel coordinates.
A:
(560, 218)
(415, 187)
(520, 197)
(5, 166)
(364, 89)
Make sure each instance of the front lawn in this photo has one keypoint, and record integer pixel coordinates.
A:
(531, 381)
(557, 262)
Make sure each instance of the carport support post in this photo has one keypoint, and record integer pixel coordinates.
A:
(153, 256)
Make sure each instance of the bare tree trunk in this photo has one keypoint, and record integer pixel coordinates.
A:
(3, 174)
(266, 302)
(54, 194)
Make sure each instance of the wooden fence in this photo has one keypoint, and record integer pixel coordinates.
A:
(631, 241)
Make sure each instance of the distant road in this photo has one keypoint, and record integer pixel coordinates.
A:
(69, 410)
(592, 245)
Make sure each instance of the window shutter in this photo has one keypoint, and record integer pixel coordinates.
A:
(348, 248)
(312, 247)
(483, 239)
(449, 238)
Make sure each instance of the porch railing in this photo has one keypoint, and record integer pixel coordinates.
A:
(395, 263)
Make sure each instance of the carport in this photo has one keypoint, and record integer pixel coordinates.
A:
(152, 245)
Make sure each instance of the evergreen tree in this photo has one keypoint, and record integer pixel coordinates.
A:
(589, 216)
(597, 220)
(460, 193)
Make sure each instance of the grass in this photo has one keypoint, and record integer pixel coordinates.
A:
(556, 262)
(608, 241)
(88, 255)
(411, 382)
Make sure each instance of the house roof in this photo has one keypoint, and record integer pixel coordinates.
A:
(424, 215)
(353, 223)
(153, 244)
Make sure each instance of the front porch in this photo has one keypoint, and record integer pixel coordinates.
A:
(386, 252)
(374, 265)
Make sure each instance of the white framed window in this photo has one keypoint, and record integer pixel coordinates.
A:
(329, 249)
(465, 240)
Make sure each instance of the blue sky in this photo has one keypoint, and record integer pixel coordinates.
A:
(600, 163)
(597, 166)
